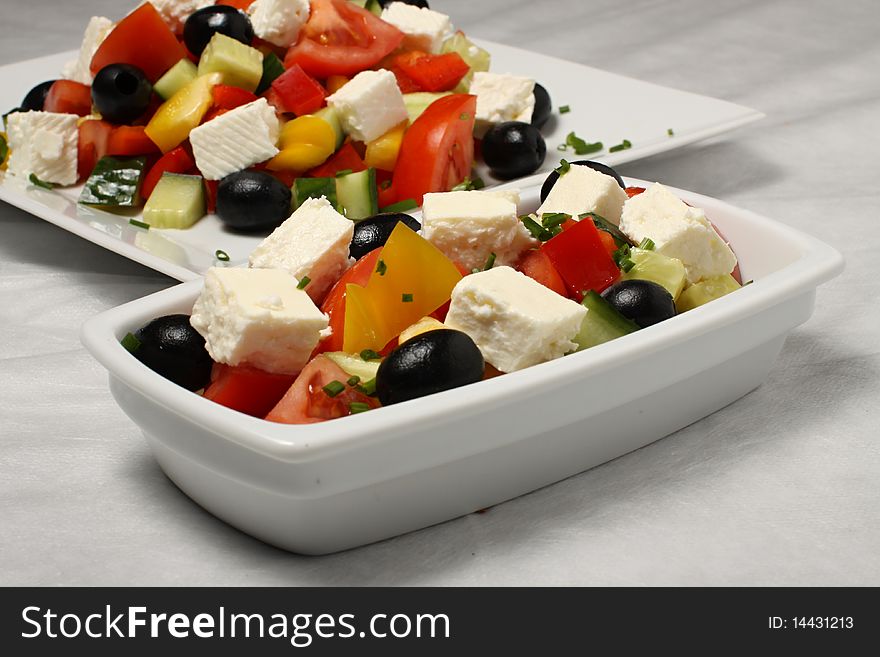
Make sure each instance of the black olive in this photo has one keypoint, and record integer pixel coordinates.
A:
(543, 106)
(513, 149)
(207, 21)
(170, 346)
(121, 93)
(644, 302)
(596, 166)
(36, 97)
(373, 232)
(252, 200)
(430, 362)
(416, 3)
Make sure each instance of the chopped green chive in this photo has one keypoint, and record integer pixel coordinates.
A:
(221, 255)
(406, 297)
(562, 147)
(748, 282)
(622, 146)
(333, 388)
(353, 381)
(367, 387)
(369, 354)
(305, 280)
(647, 244)
(580, 146)
(40, 183)
(536, 229)
(563, 167)
(381, 268)
(626, 265)
(358, 407)
(621, 255)
(564, 109)
(469, 184)
(669, 132)
(343, 172)
(139, 224)
(130, 343)
(490, 262)
(553, 220)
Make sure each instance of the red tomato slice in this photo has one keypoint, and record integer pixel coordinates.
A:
(607, 242)
(345, 158)
(247, 389)
(433, 72)
(298, 92)
(177, 160)
(306, 402)
(633, 191)
(341, 38)
(227, 97)
(141, 39)
(579, 256)
(92, 143)
(537, 265)
(69, 97)
(211, 194)
(407, 84)
(437, 151)
(130, 140)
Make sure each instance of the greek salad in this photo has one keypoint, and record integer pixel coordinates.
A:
(333, 317)
(249, 108)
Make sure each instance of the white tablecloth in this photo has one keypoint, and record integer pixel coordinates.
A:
(782, 487)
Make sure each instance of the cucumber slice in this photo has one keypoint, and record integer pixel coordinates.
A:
(177, 77)
(330, 116)
(357, 194)
(240, 65)
(272, 70)
(304, 188)
(653, 266)
(178, 201)
(354, 365)
(401, 206)
(706, 291)
(474, 56)
(602, 323)
(417, 102)
(115, 183)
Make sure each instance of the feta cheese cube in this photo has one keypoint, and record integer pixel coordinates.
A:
(678, 231)
(582, 189)
(369, 105)
(96, 31)
(514, 320)
(501, 97)
(312, 242)
(468, 226)
(43, 144)
(236, 140)
(423, 29)
(279, 21)
(259, 317)
(175, 12)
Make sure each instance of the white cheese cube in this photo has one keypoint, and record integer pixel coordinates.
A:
(279, 21)
(236, 140)
(468, 226)
(514, 320)
(312, 242)
(501, 97)
(678, 231)
(175, 12)
(96, 31)
(259, 317)
(43, 144)
(369, 105)
(582, 189)
(423, 29)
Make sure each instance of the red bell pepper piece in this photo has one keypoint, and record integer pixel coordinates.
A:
(130, 140)
(228, 97)
(432, 72)
(247, 389)
(580, 257)
(536, 264)
(298, 92)
(177, 160)
(69, 97)
(345, 158)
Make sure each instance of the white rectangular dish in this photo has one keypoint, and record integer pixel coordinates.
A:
(338, 484)
(630, 109)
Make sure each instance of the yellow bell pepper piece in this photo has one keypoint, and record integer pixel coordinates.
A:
(177, 116)
(382, 151)
(298, 157)
(415, 279)
(305, 142)
(424, 325)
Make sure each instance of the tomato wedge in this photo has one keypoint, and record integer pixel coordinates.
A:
(537, 265)
(437, 150)
(69, 97)
(341, 38)
(177, 160)
(247, 389)
(130, 140)
(432, 72)
(346, 158)
(228, 97)
(93, 137)
(306, 402)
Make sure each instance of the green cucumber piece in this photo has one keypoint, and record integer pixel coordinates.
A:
(330, 116)
(706, 291)
(418, 101)
(178, 201)
(240, 65)
(354, 365)
(272, 70)
(474, 56)
(401, 206)
(371, 6)
(115, 183)
(357, 194)
(601, 323)
(304, 188)
(653, 266)
(176, 78)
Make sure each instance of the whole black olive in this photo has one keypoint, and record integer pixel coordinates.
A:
(373, 232)
(596, 166)
(121, 93)
(513, 148)
(252, 200)
(644, 302)
(430, 362)
(543, 106)
(416, 3)
(207, 21)
(170, 346)
(36, 97)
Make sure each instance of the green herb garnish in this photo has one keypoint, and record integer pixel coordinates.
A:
(400, 206)
(130, 343)
(358, 407)
(139, 224)
(469, 184)
(40, 183)
(622, 146)
(381, 268)
(647, 244)
(580, 146)
(564, 109)
(562, 147)
(536, 229)
(369, 354)
(333, 388)
(367, 387)
(553, 220)
(490, 262)
(563, 167)
(406, 297)
(353, 381)
(221, 255)
(669, 132)
(305, 280)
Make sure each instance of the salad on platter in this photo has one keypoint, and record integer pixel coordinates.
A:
(249, 108)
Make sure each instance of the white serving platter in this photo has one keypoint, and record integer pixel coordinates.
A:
(630, 109)
(334, 485)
